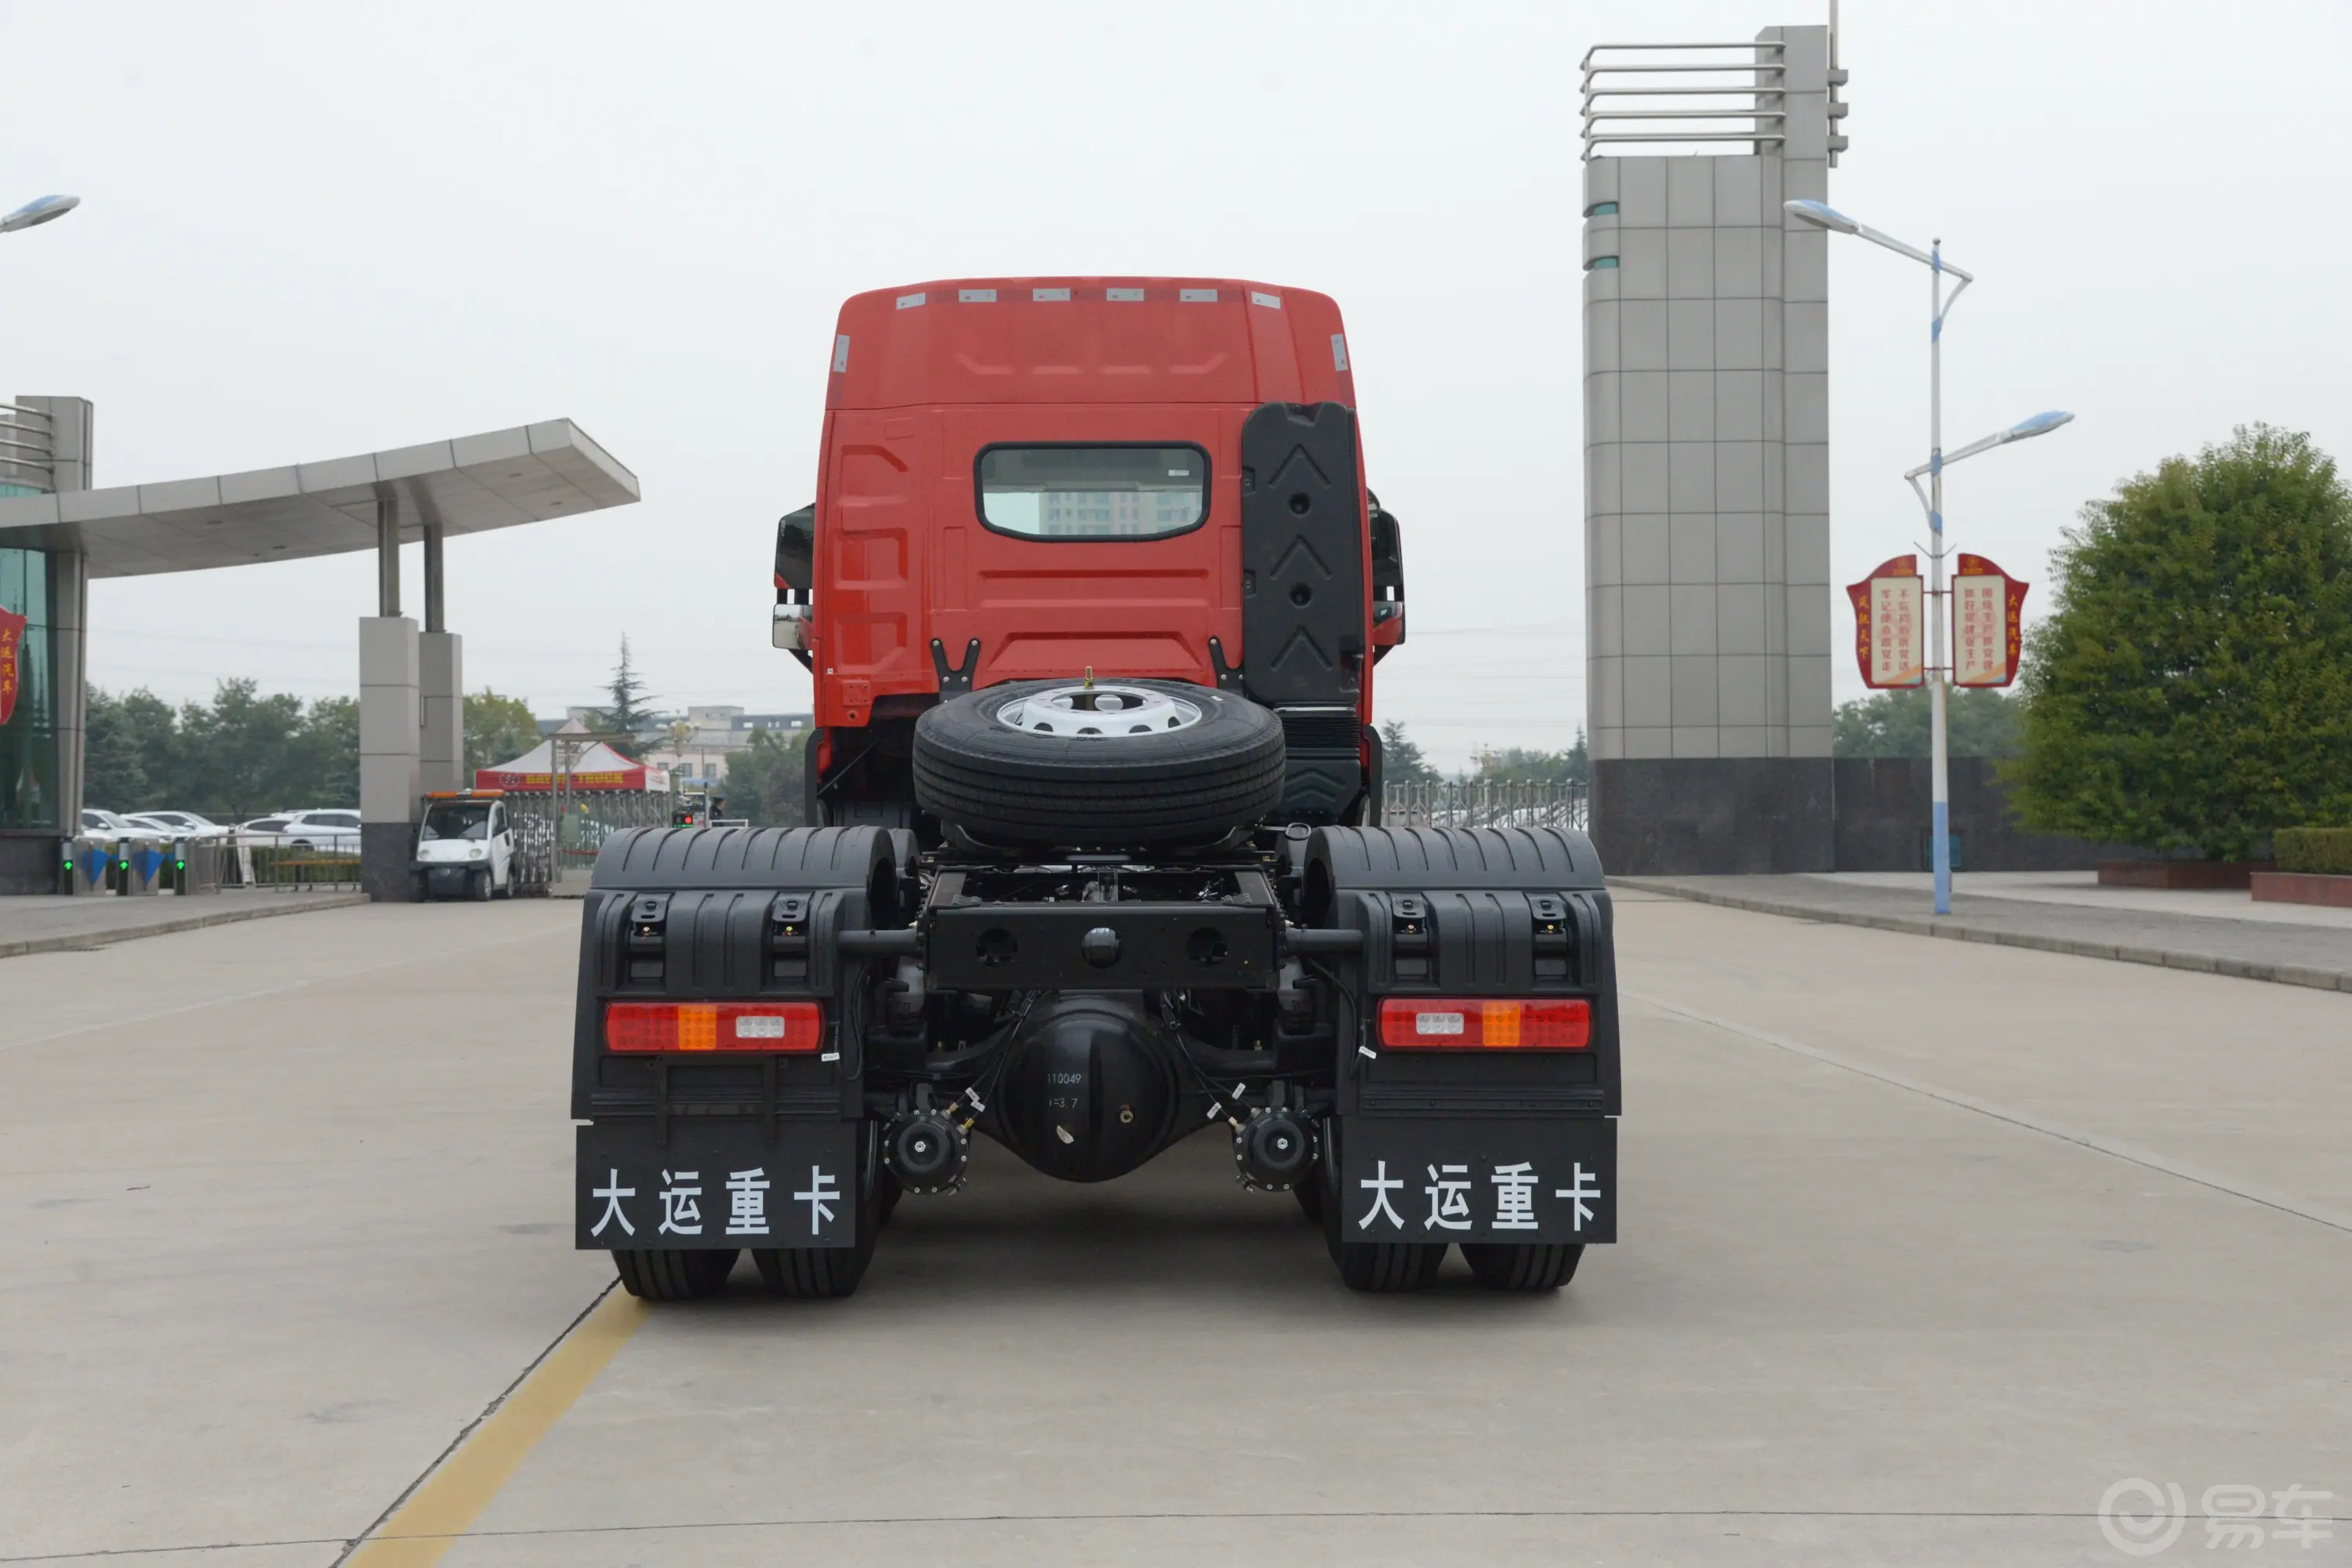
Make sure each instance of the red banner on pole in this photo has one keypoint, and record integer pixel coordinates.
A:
(12, 638)
(1988, 623)
(1890, 625)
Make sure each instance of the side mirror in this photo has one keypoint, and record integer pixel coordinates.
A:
(1388, 579)
(796, 549)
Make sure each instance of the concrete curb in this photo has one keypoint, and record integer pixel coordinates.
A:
(84, 942)
(1956, 928)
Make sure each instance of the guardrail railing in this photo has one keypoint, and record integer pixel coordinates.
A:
(583, 819)
(1487, 803)
(291, 865)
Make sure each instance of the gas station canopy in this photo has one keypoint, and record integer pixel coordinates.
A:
(468, 484)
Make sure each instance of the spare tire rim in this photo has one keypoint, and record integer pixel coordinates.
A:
(1098, 709)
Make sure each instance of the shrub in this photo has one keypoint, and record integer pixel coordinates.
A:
(2326, 852)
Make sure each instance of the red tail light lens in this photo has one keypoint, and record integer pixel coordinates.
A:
(1484, 1023)
(640, 1026)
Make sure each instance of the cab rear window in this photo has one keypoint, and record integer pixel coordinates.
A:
(1092, 492)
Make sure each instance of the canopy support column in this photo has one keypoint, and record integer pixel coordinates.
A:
(387, 555)
(432, 601)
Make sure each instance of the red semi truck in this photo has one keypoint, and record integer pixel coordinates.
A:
(1092, 592)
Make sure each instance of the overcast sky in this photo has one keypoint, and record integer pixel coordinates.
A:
(311, 230)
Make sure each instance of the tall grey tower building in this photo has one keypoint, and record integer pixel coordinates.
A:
(1706, 529)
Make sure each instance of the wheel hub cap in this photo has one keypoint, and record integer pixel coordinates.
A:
(1088, 710)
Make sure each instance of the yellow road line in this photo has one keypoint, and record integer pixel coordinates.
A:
(445, 1506)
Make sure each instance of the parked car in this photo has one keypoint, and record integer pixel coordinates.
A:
(178, 824)
(106, 825)
(333, 829)
(465, 847)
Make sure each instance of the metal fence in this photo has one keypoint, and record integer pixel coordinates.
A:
(1486, 802)
(581, 820)
(534, 852)
(291, 865)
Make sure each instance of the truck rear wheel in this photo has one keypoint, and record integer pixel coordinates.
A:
(674, 1276)
(1131, 762)
(815, 1273)
(1532, 1266)
(818, 1273)
(1387, 1266)
(1376, 1266)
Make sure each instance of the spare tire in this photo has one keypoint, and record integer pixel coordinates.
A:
(1110, 762)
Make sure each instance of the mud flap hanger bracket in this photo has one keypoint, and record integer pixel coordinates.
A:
(955, 679)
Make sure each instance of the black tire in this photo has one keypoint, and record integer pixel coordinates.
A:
(1308, 1191)
(1386, 1267)
(1529, 1266)
(1381, 1267)
(1011, 786)
(818, 1273)
(674, 1276)
(478, 886)
(815, 1273)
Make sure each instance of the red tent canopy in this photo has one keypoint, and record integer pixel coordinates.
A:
(597, 766)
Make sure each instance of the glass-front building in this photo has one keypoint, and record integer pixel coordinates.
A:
(28, 741)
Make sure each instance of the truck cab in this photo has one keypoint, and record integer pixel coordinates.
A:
(1029, 478)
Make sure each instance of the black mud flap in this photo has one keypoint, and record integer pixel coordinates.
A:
(717, 1183)
(1437, 1179)
(1303, 634)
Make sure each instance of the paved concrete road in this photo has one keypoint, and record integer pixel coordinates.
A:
(50, 923)
(1913, 1297)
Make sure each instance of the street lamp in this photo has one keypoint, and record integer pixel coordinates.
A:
(1821, 215)
(38, 211)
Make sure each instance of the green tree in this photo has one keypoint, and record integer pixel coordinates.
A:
(114, 754)
(1979, 721)
(2192, 688)
(497, 729)
(325, 756)
(241, 754)
(766, 782)
(631, 709)
(236, 755)
(1401, 758)
(1573, 766)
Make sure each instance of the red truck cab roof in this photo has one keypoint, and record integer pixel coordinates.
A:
(1088, 340)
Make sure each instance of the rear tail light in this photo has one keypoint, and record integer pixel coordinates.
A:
(639, 1026)
(1484, 1023)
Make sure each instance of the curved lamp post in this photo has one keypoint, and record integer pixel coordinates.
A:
(38, 211)
(1822, 216)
